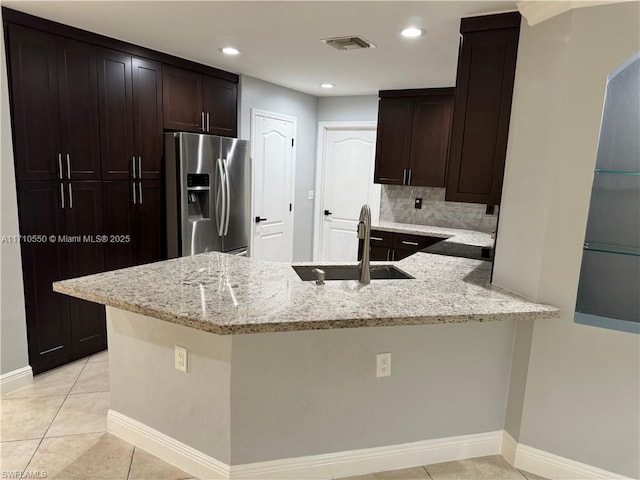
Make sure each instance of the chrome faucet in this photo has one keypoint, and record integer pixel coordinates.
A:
(364, 232)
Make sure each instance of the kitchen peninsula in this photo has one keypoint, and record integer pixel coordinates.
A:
(281, 375)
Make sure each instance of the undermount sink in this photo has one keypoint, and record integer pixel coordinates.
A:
(350, 272)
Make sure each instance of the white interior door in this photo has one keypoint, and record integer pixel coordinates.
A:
(347, 184)
(273, 161)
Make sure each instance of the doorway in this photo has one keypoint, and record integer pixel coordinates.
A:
(344, 182)
(273, 153)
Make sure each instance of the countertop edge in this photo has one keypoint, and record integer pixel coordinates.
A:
(303, 325)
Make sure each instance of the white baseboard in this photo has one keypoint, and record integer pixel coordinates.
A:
(167, 448)
(509, 448)
(327, 466)
(355, 462)
(10, 381)
(370, 460)
(549, 465)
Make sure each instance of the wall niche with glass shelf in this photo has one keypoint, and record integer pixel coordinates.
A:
(609, 287)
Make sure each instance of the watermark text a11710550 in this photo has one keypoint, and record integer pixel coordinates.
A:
(120, 238)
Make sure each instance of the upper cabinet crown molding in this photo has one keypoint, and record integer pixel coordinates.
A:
(19, 18)
(536, 11)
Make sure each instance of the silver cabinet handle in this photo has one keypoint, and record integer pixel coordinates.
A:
(133, 189)
(202, 120)
(133, 166)
(68, 167)
(70, 195)
(62, 193)
(409, 178)
(139, 167)
(378, 239)
(404, 176)
(60, 166)
(404, 242)
(388, 254)
(140, 191)
(208, 124)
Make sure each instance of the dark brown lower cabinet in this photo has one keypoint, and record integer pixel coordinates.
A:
(390, 246)
(56, 246)
(133, 217)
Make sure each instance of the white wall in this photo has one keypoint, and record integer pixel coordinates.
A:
(255, 93)
(13, 334)
(348, 109)
(582, 396)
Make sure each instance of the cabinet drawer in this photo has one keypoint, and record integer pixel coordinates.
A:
(381, 239)
(414, 243)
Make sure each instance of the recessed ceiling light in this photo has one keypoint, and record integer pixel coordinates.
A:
(230, 51)
(413, 32)
(327, 85)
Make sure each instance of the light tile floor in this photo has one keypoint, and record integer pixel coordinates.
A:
(56, 426)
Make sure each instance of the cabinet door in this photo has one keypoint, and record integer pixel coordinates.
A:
(116, 115)
(430, 140)
(118, 211)
(380, 254)
(182, 100)
(394, 140)
(149, 219)
(147, 117)
(83, 221)
(220, 105)
(34, 98)
(79, 115)
(47, 312)
(486, 70)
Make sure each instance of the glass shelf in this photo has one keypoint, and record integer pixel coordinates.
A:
(616, 249)
(617, 172)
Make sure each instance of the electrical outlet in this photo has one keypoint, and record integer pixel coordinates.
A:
(181, 359)
(310, 194)
(383, 365)
(417, 203)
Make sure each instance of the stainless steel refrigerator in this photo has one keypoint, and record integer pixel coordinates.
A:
(207, 194)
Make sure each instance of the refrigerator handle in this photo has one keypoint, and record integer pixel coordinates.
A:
(220, 218)
(227, 195)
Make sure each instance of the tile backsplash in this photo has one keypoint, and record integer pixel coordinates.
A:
(396, 205)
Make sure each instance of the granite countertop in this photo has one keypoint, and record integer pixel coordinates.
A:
(451, 235)
(225, 294)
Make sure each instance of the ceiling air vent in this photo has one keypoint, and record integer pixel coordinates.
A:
(352, 42)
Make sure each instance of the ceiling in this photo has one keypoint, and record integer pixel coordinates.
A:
(280, 41)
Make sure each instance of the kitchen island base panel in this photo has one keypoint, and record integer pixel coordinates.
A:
(264, 397)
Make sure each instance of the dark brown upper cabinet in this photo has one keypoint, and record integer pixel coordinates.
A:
(55, 106)
(130, 116)
(193, 102)
(413, 136)
(482, 108)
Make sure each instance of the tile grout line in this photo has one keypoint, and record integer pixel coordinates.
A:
(429, 477)
(54, 418)
(133, 452)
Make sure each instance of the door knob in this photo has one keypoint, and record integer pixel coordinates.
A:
(327, 213)
(258, 219)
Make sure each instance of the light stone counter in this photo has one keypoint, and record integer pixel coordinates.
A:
(225, 294)
(452, 235)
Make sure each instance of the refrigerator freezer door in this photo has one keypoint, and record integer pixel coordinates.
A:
(200, 191)
(235, 159)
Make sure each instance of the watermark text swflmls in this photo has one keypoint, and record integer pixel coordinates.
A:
(21, 474)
